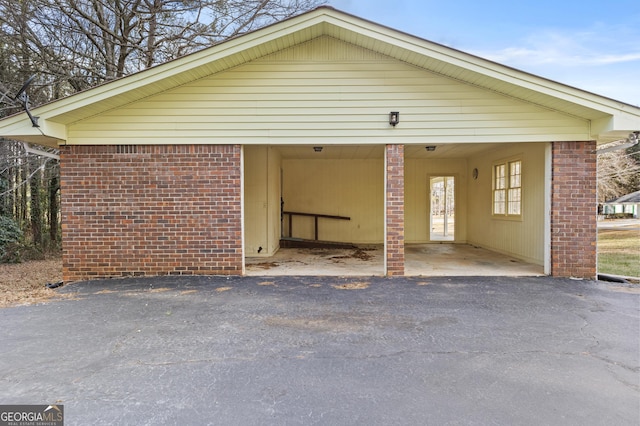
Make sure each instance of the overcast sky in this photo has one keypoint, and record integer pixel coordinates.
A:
(593, 45)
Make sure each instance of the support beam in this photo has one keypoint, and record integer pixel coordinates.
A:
(394, 210)
(574, 210)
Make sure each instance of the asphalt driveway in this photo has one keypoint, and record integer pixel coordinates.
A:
(335, 351)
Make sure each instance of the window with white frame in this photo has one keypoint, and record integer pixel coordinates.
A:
(507, 188)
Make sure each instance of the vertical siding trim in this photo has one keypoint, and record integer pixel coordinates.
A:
(240, 148)
(548, 183)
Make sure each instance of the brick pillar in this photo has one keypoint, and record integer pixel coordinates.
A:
(573, 210)
(134, 210)
(394, 213)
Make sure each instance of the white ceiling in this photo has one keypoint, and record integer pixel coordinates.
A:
(364, 152)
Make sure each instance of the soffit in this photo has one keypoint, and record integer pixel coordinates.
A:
(368, 152)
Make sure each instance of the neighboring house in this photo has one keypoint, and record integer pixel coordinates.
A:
(625, 206)
(181, 169)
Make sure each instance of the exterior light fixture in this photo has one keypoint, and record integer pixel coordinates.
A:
(394, 118)
(430, 148)
(317, 148)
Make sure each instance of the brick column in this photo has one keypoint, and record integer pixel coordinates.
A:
(151, 210)
(394, 213)
(573, 210)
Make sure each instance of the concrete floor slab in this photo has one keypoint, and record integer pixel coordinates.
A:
(420, 260)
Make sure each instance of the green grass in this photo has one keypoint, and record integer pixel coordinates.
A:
(619, 252)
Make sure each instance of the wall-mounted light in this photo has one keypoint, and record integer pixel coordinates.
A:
(430, 148)
(394, 118)
(317, 148)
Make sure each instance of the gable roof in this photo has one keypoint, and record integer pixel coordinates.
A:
(610, 119)
(632, 198)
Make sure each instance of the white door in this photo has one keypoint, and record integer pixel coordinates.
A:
(442, 208)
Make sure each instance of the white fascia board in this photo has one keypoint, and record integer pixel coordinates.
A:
(19, 127)
(615, 127)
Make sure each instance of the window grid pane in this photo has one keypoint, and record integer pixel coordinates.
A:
(501, 181)
(514, 196)
(514, 201)
(498, 201)
(515, 175)
(499, 187)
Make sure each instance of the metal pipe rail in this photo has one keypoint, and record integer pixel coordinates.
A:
(315, 216)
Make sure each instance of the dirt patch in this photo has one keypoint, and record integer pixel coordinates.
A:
(326, 324)
(625, 289)
(361, 254)
(357, 254)
(265, 265)
(24, 283)
(221, 289)
(351, 286)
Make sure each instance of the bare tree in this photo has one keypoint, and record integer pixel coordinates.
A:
(618, 174)
(72, 45)
(81, 43)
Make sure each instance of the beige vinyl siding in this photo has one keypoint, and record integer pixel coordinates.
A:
(256, 204)
(523, 236)
(326, 92)
(261, 200)
(274, 162)
(353, 188)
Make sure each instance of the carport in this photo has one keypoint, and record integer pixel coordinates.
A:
(324, 185)
(184, 168)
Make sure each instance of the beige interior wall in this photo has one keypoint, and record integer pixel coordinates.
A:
(261, 200)
(353, 188)
(522, 238)
(417, 173)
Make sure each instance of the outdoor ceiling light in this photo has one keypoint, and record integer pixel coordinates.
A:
(430, 148)
(317, 148)
(394, 118)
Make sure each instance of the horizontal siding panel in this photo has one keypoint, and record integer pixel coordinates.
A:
(375, 117)
(348, 134)
(371, 115)
(321, 123)
(310, 102)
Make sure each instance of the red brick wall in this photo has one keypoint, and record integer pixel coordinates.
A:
(151, 210)
(395, 210)
(574, 209)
